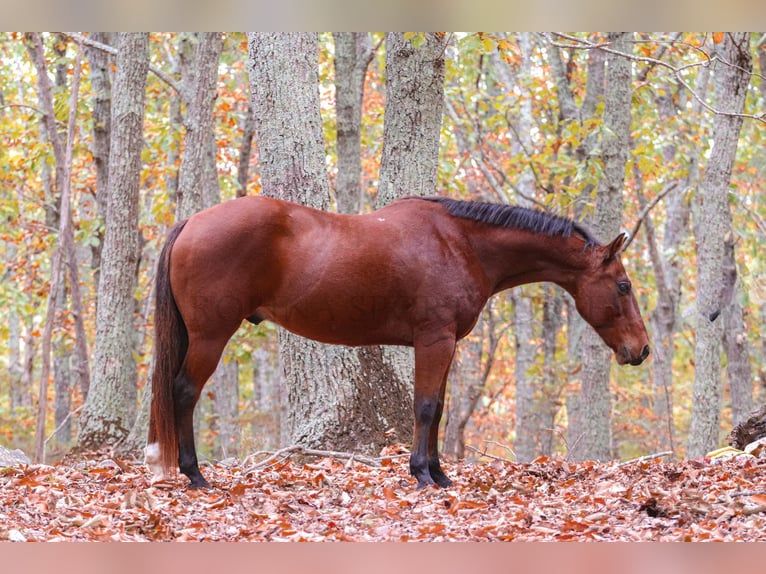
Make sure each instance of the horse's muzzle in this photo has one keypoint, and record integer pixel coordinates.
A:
(644, 354)
(625, 357)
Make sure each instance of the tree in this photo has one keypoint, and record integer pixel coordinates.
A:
(102, 117)
(108, 412)
(353, 54)
(65, 249)
(357, 394)
(595, 401)
(730, 80)
(198, 121)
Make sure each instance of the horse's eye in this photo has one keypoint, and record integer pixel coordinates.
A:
(623, 287)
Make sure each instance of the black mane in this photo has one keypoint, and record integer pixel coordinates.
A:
(514, 217)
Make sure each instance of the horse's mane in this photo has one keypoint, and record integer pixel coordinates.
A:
(514, 217)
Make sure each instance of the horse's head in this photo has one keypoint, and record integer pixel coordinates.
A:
(604, 297)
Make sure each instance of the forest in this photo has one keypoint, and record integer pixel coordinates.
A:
(112, 138)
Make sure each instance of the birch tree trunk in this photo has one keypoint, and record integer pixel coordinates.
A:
(107, 413)
(595, 400)
(731, 77)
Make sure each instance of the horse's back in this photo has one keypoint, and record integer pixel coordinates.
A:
(351, 279)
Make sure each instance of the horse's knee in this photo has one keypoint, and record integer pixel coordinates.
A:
(425, 410)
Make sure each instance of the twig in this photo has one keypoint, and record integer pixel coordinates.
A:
(645, 211)
(79, 38)
(66, 418)
(23, 106)
(287, 452)
(646, 457)
(584, 44)
(748, 493)
(483, 453)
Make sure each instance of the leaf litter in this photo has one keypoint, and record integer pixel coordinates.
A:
(105, 499)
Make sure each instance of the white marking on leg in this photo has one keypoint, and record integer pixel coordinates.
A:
(152, 460)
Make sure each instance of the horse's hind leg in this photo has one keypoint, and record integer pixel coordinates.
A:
(201, 360)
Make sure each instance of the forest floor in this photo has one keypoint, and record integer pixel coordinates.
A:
(108, 499)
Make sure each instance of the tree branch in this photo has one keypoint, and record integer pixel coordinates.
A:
(285, 453)
(646, 457)
(645, 211)
(80, 39)
(583, 44)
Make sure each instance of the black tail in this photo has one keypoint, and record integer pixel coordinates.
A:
(170, 344)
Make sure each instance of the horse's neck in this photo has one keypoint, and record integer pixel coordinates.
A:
(516, 258)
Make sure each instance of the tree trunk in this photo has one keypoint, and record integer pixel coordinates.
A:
(596, 401)
(102, 127)
(107, 413)
(245, 150)
(65, 249)
(731, 77)
(337, 398)
(62, 380)
(198, 121)
(569, 112)
(414, 106)
(353, 53)
(529, 394)
(735, 342)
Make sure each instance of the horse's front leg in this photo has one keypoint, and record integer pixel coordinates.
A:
(432, 362)
(434, 466)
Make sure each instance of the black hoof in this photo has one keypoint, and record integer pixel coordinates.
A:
(424, 483)
(442, 480)
(198, 481)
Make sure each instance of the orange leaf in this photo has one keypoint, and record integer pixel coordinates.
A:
(717, 37)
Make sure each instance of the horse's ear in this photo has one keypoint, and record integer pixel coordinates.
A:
(615, 247)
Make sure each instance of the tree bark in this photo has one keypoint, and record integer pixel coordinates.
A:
(414, 106)
(731, 78)
(570, 112)
(353, 53)
(595, 400)
(102, 111)
(198, 121)
(336, 397)
(245, 150)
(108, 413)
(735, 343)
(65, 249)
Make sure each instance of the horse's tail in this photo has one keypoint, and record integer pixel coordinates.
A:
(170, 345)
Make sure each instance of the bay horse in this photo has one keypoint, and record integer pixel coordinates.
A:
(417, 272)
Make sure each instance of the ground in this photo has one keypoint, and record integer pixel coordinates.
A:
(325, 499)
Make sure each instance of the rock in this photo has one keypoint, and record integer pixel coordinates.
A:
(12, 457)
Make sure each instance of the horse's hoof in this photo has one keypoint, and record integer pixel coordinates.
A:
(200, 483)
(443, 481)
(424, 483)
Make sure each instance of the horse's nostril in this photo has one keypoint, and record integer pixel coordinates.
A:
(645, 352)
